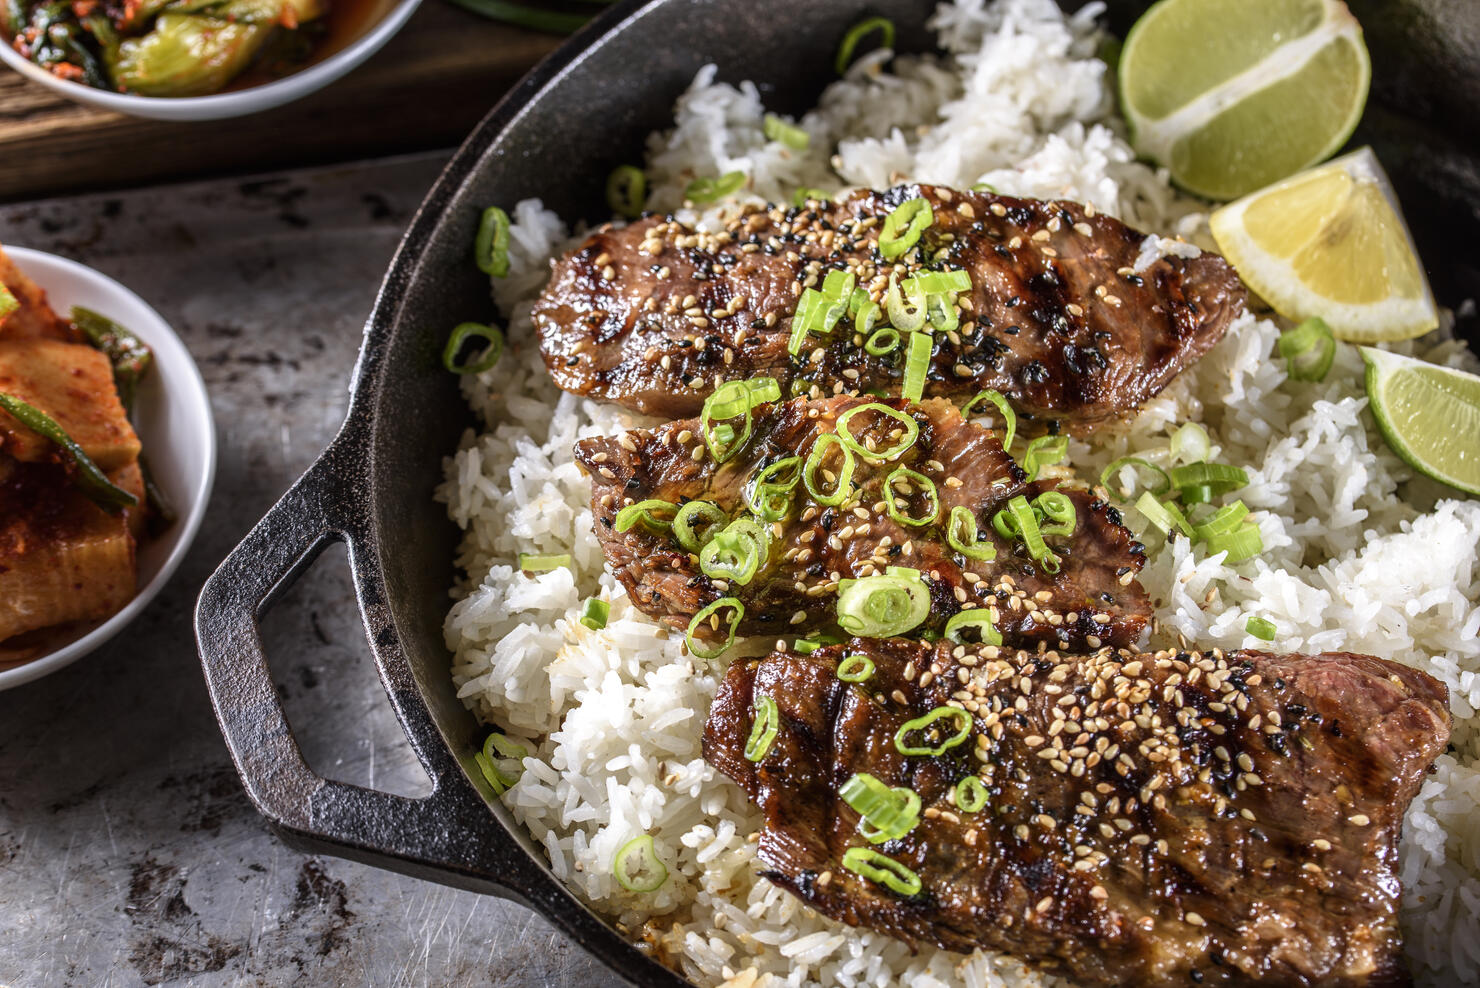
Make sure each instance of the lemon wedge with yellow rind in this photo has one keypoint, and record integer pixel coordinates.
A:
(1331, 243)
(1232, 95)
(1429, 415)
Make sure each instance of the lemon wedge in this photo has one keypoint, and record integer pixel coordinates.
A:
(1331, 243)
(1429, 415)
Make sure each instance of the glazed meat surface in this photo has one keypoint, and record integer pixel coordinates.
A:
(1151, 819)
(1061, 318)
(1093, 599)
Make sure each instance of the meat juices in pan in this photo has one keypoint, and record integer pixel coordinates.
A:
(1150, 819)
(1092, 600)
(1060, 318)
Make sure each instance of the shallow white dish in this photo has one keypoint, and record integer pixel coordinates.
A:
(172, 414)
(233, 103)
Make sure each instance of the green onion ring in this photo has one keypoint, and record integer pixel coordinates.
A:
(806, 194)
(883, 340)
(979, 618)
(963, 536)
(531, 562)
(594, 613)
(917, 366)
(763, 729)
(857, 33)
(770, 499)
(626, 191)
(855, 668)
(790, 135)
(806, 646)
(1044, 451)
(730, 400)
(1056, 507)
(906, 313)
(1224, 521)
(1190, 443)
(911, 431)
(887, 813)
(643, 513)
(971, 795)
(491, 246)
(922, 723)
(883, 605)
(903, 226)
(736, 552)
(1309, 350)
(1243, 544)
(1135, 461)
(925, 483)
(843, 488)
(1218, 478)
(647, 862)
(706, 652)
(1009, 417)
(870, 864)
(485, 360)
(1163, 515)
(693, 515)
(1017, 520)
(706, 190)
(1261, 628)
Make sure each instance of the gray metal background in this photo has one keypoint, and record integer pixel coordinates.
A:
(128, 852)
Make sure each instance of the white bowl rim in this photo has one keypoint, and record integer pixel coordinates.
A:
(194, 388)
(229, 104)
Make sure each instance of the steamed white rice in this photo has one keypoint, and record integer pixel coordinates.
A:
(1360, 554)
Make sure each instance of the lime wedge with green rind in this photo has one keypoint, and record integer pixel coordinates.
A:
(1232, 95)
(1429, 415)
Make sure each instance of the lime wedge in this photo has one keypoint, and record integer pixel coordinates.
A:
(1331, 243)
(1232, 95)
(1429, 415)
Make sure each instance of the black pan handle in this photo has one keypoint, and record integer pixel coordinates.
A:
(447, 831)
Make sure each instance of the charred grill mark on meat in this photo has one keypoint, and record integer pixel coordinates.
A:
(1093, 599)
(654, 315)
(1152, 819)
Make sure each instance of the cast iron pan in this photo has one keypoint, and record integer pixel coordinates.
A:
(556, 136)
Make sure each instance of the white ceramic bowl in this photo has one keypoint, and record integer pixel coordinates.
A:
(172, 414)
(233, 103)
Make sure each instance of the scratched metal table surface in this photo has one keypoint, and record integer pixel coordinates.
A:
(128, 852)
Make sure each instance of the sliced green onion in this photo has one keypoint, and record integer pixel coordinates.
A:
(877, 868)
(806, 194)
(1163, 515)
(763, 729)
(1009, 417)
(491, 246)
(883, 340)
(8, 302)
(1309, 350)
(90, 480)
(626, 191)
(1196, 494)
(906, 312)
(769, 498)
(1017, 521)
(1218, 478)
(857, 33)
(637, 868)
(903, 227)
(984, 187)
(1122, 494)
(887, 813)
(971, 795)
(1057, 509)
(705, 190)
(911, 431)
(924, 483)
(935, 292)
(531, 562)
(1261, 628)
(806, 646)
(731, 400)
(1190, 444)
(594, 613)
(736, 552)
(916, 366)
(963, 731)
(979, 618)
(883, 605)
(1242, 544)
(855, 668)
(705, 651)
(484, 360)
(1224, 521)
(963, 535)
(695, 523)
(1044, 451)
(498, 751)
(813, 483)
(646, 513)
(790, 135)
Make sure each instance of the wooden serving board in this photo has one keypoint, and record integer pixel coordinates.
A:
(425, 89)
